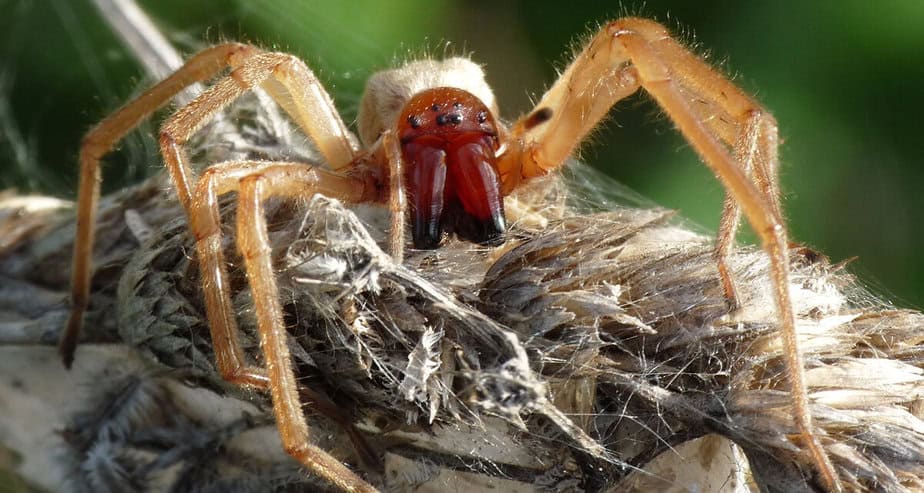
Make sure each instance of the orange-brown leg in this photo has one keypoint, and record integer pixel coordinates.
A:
(291, 84)
(253, 243)
(639, 39)
(99, 141)
(256, 181)
(206, 228)
(301, 180)
(756, 152)
(286, 78)
(397, 199)
(713, 115)
(295, 88)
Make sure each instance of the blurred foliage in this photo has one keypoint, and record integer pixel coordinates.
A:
(844, 79)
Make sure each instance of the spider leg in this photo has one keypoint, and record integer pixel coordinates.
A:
(713, 115)
(293, 180)
(253, 242)
(756, 151)
(100, 140)
(291, 84)
(286, 78)
(205, 225)
(397, 199)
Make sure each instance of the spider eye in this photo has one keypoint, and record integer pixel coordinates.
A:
(450, 118)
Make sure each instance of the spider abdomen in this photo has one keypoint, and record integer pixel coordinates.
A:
(448, 141)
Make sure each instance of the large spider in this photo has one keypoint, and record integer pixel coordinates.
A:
(429, 132)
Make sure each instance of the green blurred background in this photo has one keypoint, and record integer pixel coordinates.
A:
(845, 80)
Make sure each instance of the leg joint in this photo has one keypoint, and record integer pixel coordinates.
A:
(243, 375)
(205, 228)
(754, 112)
(90, 148)
(168, 140)
(209, 178)
(238, 53)
(646, 28)
(774, 228)
(289, 64)
(296, 449)
(242, 76)
(252, 181)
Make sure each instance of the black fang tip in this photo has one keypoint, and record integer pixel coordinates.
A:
(490, 231)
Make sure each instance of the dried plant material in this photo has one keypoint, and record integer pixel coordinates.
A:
(595, 354)
(423, 363)
(22, 217)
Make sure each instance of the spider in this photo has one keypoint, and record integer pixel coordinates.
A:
(433, 150)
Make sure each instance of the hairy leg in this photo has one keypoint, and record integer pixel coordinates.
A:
(287, 79)
(100, 140)
(397, 199)
(756, 152)
(291, 84)
(714, 116)
(253, 243)
(292, 180)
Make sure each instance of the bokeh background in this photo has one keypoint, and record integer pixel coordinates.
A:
(845, 80)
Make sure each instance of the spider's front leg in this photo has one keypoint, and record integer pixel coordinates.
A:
(734, 136)
(286, 78)
(291, 180)
(255, 182)
(205, 225)
(101, 139)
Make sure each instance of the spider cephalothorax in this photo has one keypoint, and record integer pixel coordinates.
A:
(428, 131)
(443, 113)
